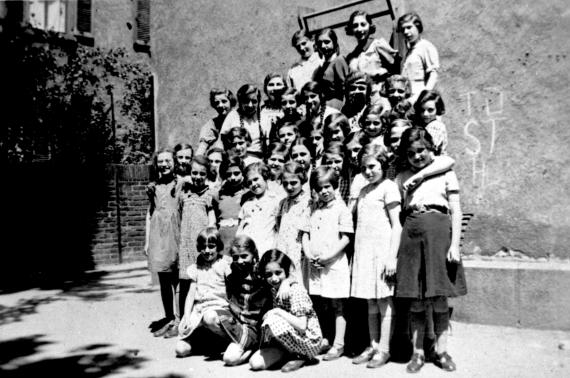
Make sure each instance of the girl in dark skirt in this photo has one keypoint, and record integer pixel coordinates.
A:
(429, 263)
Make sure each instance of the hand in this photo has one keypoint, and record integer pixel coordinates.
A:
(390, 268)
(453, 254)
(145, 249)
(284, 291)
(184, 323)
(413, 182)
(271, 312)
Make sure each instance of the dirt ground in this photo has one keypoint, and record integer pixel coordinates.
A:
(98, 328)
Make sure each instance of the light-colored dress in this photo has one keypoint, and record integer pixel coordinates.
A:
(257, 220)
(305, 343)
(302, 72)
(374, 59)
(420, 60)
(372, 240)
(257, 130)
(327, 222)
(210, 279)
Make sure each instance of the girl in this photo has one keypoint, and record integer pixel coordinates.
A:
(376, 244)
(237, 142)
(257, 215)
(333, 157)
(303, 71)
(183, 154)
(312, 96)
(325, 238)
(162, 235)
(429, 268)
(396, 89)
(228, 201)
(374, 57)
(287, 132)
(277, 154)
(216, 156)
(291, 327)
(247, 117)
(292, 214)
(207, 291)
(372, 124)
(195, 203)
(335, 129)
(392, 142)
(223, 101)
(421, 62)
(326, 75)
(274, 85)
(302, 154)
(289, 105)
(358, 90)
(317, 145)
(427, 109)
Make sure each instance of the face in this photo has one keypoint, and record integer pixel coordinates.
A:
(357, 92)
(429, 111)
(375, 97)
(292, 184)
(274, 274)
(312, 103)
(249, 105)
(334, 161)
(234, 176)
(336, 134)
(274, 88)
(256, 184)
(372, 125)
(301, 155)
(325, 191)
(275, 164)
(287, 135)
(360, 28)
(184, 158)
(198, 174)
(353, 148)
(395, 137)
(305, 47)
(210, 252)
(372, 170)
(418, 155)
(410, 31)
(215, 159)
(222, 104)
(289, 104)
(325, 45)
(317, 139)
(238, 147)
(396, 92)
(243, 260)
(165, 163)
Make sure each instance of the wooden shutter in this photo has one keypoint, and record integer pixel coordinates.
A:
(143, 21)
(84, 16)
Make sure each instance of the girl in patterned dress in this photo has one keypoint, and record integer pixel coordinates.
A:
(163, 234)
(291, 328)
(207, 288)
(195, 201)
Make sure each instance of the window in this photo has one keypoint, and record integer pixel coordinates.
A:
(48, 14)
(142, 30)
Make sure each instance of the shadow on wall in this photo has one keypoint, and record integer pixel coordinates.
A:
(49, 219)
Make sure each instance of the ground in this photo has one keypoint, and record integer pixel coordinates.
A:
(97, 327)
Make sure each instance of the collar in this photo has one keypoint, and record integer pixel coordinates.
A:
(199, 192)
(325, 205)
(410, 46)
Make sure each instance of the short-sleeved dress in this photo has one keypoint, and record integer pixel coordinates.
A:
(257, 130)
(327, 222)
(164, 232)
(195, 207)
(257, 216)
(228, 205)
(421, 59)
(210, 279)
(372, 241)
(305, 343)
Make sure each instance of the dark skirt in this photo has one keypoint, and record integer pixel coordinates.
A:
(423, 270)
(245, 335)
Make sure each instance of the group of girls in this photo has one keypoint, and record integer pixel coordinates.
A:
(333, 190)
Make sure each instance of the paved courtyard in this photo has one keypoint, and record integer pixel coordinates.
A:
(98, 328)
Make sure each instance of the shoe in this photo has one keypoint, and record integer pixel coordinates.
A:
(364, 356)
(172, 331)
(378, 360)
(444, 362)
(158, 324)
(292, 365)
(333, 353)
(416, 363)
(162, 331)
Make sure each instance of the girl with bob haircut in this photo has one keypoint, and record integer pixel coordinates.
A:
(428, 110)
(330, 74)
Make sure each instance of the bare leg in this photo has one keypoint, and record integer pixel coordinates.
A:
(266, 358)
(340, 323)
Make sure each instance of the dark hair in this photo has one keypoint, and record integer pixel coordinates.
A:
(398, 122)
(244, 91)
(232, 161)
(332, 35)
(336, 148)
(235, 132)
(278, 257)
(226, 92)
(223, 154)
(294, 168)
(357, 76)
(402, 110)
(277, 148)
(302, 141)
(429, 95)
(412, 135)
(348, 27)
(243, 243)
(303, 33)
(391, 80)
(268, 78)
(335, 120)
(374, 109)
(155, 158)
(324, 174)
(413, 17)
(183, 146)
(258, 167)
(375, 151)
(207, 236)
(315, 87)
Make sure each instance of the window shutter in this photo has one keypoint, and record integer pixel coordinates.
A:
(143, 21)
(84, 16)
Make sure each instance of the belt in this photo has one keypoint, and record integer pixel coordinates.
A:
(422, 209)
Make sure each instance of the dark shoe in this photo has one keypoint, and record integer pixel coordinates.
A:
(416, 363)
(158, 324)
(333, 354)
(444, 362)
(172, 331)
(378, 360)
(364, 356)
(293, 365)
(162, 331)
